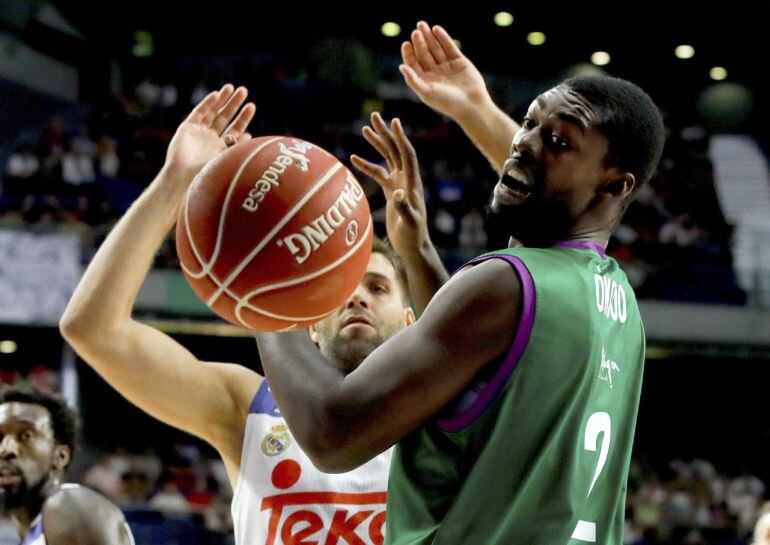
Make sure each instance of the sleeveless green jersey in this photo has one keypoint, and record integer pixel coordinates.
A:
(537, 450)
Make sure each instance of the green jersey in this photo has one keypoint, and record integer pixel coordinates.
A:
(537, 450)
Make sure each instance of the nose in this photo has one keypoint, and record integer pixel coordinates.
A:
(527, 146)
(358, 297)
(8, 448)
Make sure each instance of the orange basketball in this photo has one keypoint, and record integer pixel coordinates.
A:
(274, 234)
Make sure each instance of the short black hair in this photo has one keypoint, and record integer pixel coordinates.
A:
(630, 121)
(383, 246)
(64, 419)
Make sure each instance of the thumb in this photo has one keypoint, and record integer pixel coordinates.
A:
(414, 81)
(404, 208)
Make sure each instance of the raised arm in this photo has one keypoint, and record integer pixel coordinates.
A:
(149, 368)
(447, 81)
(342, 421)
(406, 217)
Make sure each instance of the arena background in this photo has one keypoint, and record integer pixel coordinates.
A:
(91, 92)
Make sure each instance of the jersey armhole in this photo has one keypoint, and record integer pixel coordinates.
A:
(488, 395)
(262, 402)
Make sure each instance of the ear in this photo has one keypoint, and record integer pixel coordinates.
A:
(409, 318)
(62, 454)
(313, 333)
(621, 185)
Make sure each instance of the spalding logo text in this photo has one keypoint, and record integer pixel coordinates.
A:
(302, 244)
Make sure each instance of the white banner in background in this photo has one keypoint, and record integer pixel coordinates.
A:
(38, 273)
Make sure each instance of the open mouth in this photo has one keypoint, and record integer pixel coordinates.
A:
(517, 185)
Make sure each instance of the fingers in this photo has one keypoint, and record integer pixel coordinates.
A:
(422, 53)
(227, 111)
(376, 172)
(408, 155)
(231, 140)
(433, 44)
(377, 143)
(204, 107)
(413, 80)
(405, 209)
(387, 138)
(239, 124)
(410, 58)
(447, 43)
(224, 95)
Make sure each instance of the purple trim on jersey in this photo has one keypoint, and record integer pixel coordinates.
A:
(523, 332)
(263, 401)
(583, 245)
(34, 531)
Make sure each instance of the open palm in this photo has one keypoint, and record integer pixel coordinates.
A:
(406, 217)
(439, 73)
(208, 130)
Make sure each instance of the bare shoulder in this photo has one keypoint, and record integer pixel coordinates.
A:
(80, 515)
(78, 498)
(479, 302)
(490, 277)
(492, 283)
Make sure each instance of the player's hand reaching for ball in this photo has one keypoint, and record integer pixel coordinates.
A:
(440, 75)
(406, 218)
(213, 125)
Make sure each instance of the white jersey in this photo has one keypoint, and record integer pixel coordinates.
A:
(281, 498)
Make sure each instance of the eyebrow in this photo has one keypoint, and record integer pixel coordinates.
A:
(573, 120)
(23, 422)
(564, 116)
(378, 276)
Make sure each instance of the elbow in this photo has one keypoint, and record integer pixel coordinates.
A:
(333, 445)
(79, 328)
(71, 325)
(333, 460)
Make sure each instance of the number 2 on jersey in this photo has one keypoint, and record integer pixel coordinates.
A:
(598, 423)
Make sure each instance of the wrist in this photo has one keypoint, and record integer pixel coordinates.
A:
(421, 251)
(170, 185)
(477, 105)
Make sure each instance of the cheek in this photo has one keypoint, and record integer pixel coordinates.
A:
(573, 177)
(323, 329)
(392, 314)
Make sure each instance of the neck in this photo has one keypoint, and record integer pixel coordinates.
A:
(22, 516)
(597, 236)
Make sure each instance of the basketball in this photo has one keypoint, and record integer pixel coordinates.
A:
(274, 234)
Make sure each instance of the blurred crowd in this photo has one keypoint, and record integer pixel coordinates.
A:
(689, 503)
(683, 503)
(179, 482)
(674, 241)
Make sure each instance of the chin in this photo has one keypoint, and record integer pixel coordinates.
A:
(536, 223)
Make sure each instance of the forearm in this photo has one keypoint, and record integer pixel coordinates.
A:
(108, 289)
(491, 130)
(425, 273)
(303, 382)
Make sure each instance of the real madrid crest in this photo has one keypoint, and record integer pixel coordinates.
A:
(277, 441)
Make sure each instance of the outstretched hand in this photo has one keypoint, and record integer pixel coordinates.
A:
(406, 217)
(440, 75)
(210, 128)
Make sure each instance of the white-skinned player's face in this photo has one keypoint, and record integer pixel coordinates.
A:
(373, 313)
